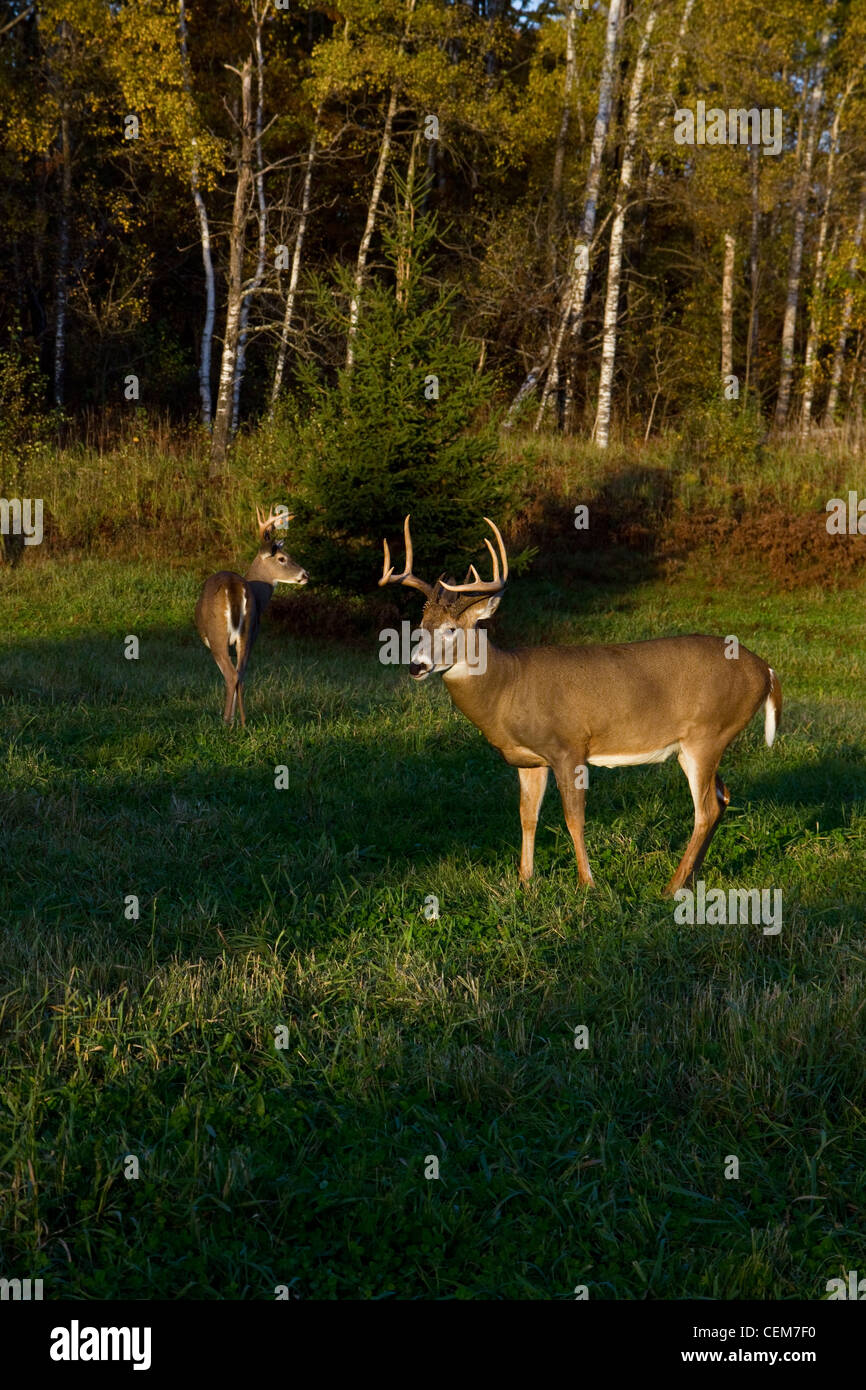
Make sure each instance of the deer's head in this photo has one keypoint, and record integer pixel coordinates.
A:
(451, 611)
(272, 563)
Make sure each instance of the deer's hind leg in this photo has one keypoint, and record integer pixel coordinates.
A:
(229, 675)
(710, 797)
(571, 780)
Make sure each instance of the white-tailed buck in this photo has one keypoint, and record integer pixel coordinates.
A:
(606, 706)
(230, 606)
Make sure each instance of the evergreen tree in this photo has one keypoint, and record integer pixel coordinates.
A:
(407, 429)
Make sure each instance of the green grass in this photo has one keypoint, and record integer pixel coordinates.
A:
(406, 1037)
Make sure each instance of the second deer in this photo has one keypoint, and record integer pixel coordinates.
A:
(610, 706)
(230, 607)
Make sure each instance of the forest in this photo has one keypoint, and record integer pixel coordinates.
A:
(195, 202)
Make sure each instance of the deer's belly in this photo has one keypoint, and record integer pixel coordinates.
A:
(652, 755)
(517, 756)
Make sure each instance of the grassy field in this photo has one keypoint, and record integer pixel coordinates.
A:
(305, 1166)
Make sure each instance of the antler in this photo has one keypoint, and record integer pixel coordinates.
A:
(275, 519)
(481, 586)
(407, 577)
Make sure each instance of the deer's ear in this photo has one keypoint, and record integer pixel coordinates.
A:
(484, 608)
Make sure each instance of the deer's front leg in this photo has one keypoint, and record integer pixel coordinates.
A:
(571, 780)
(533, 781)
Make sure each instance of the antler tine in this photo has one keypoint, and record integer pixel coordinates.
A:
(407, 577)
(275, 519)
(500, 542)
(482, 586)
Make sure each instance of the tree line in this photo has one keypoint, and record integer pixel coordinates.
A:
(637, 205)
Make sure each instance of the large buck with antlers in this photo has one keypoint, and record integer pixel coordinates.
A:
(230, 607)
(608, 706)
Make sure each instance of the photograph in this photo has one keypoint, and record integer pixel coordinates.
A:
(432, 672)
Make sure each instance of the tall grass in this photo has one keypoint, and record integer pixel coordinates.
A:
(143, 487)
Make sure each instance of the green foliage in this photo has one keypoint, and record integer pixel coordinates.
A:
(406, 430)
(25, 423)
(724, 434)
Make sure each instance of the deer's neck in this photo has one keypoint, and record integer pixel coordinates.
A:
(480, 694)
(263, 589)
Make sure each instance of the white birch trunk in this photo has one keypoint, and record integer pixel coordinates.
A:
(259, 17)
(372, 209)
(752, 336)
(204, 368)
(237, 238)
(795, 265)
(555, 210)
(676, 59)
(812, 341)
(294, 274)
(601, 430)
(847, 307)
(574, 291)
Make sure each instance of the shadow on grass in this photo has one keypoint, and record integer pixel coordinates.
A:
(121, 780)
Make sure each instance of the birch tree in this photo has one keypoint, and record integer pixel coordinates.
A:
(204, 366)
(295, 272)
(259, 15)
(792, 298)
(235, 287)
(601, 431)
(754, 272)
(569, 78)
(812, 341)
(373, 205)
(573, 299)
(847, 309)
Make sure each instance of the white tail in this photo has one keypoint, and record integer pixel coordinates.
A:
(230, 607)
(772, 709)
(567, 708)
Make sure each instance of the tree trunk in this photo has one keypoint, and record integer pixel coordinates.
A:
(296, 268)
(259, 17)
(555, 211)
(752, 337)
(728, 308)
(234, 299)
(676, 59)
(601, 431)
(204, 368)
(63, 245)
(574, 291)
(847, 307)
(372, 209)
(792, 298)
(670, 104)
(403, 268)
(812, 341)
